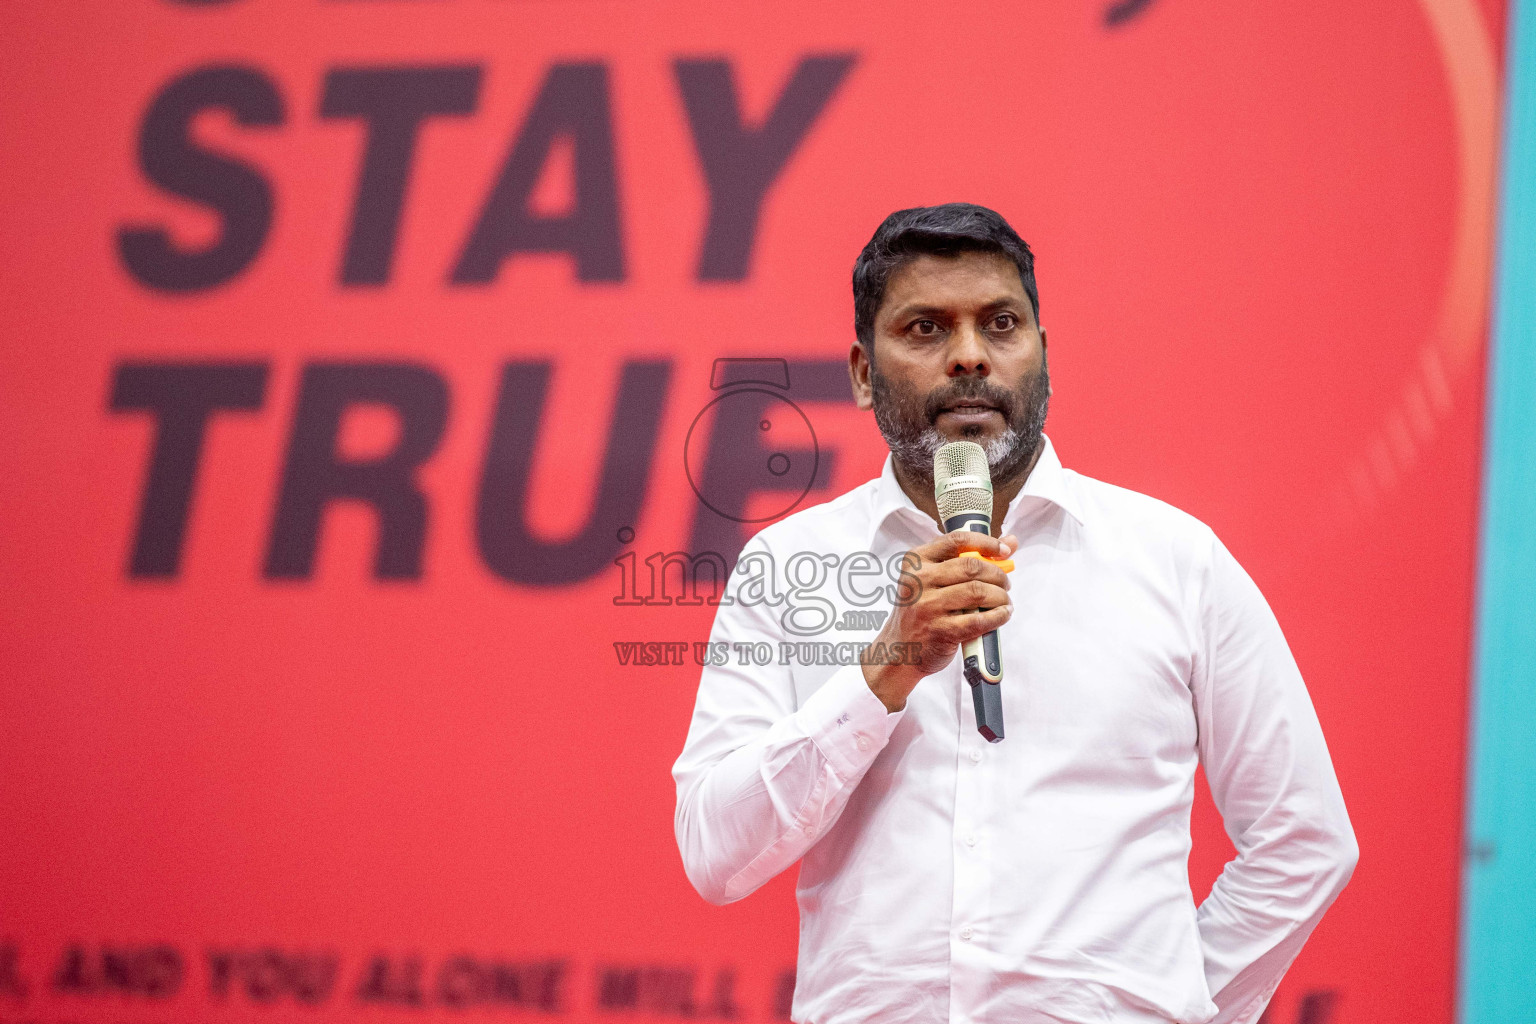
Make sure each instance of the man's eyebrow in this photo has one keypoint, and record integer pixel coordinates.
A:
(920, 309)
(1004, 302)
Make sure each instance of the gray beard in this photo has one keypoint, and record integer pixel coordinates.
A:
(906, 423)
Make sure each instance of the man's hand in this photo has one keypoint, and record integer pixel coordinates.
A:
(957, 598)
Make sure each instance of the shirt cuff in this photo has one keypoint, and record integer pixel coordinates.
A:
(847, 722)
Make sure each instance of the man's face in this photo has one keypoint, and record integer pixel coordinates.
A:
(957, 356)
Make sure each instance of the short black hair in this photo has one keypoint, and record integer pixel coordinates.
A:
(945, 230)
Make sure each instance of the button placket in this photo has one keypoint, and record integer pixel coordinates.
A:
(970, 973)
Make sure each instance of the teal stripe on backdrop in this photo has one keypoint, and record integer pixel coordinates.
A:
(1498, 920)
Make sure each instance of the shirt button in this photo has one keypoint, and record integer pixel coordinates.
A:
(863, 742)
(975, 757)
(965, 934)
(970, 840)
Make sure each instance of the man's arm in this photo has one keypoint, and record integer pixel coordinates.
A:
(760, 780)
(1273, 782)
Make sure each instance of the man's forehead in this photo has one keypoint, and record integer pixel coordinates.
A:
(964, 280)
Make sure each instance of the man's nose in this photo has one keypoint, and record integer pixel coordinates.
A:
(969, 352)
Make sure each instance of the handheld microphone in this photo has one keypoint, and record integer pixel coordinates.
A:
(962, 488)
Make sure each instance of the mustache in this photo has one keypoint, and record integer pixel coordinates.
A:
(970, 389)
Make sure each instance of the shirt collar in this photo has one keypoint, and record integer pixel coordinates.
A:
(1047, 482)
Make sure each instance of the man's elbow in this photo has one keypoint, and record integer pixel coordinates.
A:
(1342, 852)
(708, 885)
(709, 877)
(704, 873)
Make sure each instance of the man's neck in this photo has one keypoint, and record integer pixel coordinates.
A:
(1003, 491)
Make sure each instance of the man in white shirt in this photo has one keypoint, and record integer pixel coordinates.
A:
(1043, 878)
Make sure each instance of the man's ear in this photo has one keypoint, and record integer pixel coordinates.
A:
(1049, 389)
(858, 375)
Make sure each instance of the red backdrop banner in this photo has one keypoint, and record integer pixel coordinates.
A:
(357, 349)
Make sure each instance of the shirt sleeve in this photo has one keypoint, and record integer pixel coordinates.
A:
(1273, 782)
(761, 779)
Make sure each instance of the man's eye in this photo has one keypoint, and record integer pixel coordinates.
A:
(1005, 322)
(925, 327)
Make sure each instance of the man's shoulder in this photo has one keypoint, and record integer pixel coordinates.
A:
(832, 522)
(1135, 514)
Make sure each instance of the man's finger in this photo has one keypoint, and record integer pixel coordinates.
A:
(1005, 564)
(968, 595)
(958, 570)
(951, 544)
(964, 626)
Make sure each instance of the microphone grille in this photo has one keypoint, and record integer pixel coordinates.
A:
(962, 481)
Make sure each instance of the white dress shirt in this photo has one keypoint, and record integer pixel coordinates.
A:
(1043, 878)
